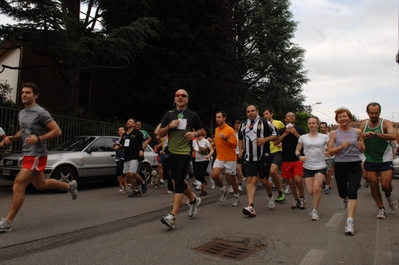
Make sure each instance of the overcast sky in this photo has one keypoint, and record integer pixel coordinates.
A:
(350, 55)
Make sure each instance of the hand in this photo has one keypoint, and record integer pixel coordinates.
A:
(174, 124)
(32, 139)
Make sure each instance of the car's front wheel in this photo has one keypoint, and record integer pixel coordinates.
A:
(64, 174)
(146, 172)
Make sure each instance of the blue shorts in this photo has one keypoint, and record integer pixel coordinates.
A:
(383, 166)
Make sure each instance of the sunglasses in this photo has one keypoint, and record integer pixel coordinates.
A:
(181, 96)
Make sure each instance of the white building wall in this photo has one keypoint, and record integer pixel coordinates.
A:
(11, 58)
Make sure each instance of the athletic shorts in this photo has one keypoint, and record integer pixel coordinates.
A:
(277, 158)
(383, 166)
(309, 173)
(240, 160)
(37, 163)
(329, 163)
(259, 168)
(228, 166)
(291, 169)
(131, 166)
(161, 158)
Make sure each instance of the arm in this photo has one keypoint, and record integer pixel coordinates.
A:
(10, 139)
(281, 138)
(146, 142)
(360, 141)
(298, 152)
(3, 138)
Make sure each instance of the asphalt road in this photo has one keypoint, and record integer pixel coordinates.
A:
(105, 227)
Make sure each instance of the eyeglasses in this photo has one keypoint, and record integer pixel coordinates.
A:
(181, 96)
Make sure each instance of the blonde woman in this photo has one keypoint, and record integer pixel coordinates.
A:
(346, 143)
(314, 164)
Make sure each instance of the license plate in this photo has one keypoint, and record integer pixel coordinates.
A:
(6, 172)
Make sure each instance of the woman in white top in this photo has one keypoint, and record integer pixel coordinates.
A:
(314, 164)
(203, 151)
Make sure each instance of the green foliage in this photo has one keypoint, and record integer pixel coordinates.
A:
(302, 120)
(5, 95)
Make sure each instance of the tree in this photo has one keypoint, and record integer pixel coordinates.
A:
(271, 65)
(5, 91)
(74, 40)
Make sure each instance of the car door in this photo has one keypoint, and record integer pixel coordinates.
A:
(99, 158)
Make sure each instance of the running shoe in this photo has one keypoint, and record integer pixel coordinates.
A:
(296, 204)
(343, 204)
(327, 190)
(271, 203)
(280, 197)
(239, 187)
(203, 193)
(230, 189)
(169, 192)
(366, 184)
(393, 203)
(135, 193)
(198, 187)
(249, 210)
(193, 207)
(223, 196)
(161, 184)
(73, 189)
(121, 189)
(287, 190)
(169, 220)
(5, 226)
(144, 187)
(349, 228)
(236, 202)
(302, 203)
(314, 215)
(381, 213)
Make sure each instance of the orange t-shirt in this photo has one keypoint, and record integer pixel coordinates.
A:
(225, 150)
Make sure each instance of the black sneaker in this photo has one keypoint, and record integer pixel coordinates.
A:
(135, 193)
(144, 187)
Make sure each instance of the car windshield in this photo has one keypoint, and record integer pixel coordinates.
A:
(75, 144)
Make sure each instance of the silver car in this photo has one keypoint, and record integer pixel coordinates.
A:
(81, 158)
(396, 167)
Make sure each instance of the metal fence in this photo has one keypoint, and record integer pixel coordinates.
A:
(70, 127)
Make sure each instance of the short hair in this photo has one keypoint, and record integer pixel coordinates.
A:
(35, 88)
(256, 107)
(314, 117)
(237, 122)
(323, 122)
(341, 110)
(131, 118)
(373, 104)
(269, 109)
(222, 112)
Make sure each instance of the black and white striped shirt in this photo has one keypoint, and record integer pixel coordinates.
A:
(249, 131)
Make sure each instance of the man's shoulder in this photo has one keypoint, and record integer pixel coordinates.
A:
(278, 124)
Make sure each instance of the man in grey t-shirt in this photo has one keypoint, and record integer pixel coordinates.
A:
(36, 126)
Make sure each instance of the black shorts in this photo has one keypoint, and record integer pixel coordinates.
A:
(119, 167)
(309, 173)
(255, 168)
(277, 158)
(240, 160)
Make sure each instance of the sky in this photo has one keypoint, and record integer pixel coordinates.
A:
(350, 55)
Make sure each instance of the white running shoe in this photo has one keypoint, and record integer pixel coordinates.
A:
(236, 202)
(230, 189)
(381, 213)
(271, 203)
(314, 215)
(393, 203)
(343, 204)
(349, 228)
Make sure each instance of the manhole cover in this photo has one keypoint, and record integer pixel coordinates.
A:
(227, 250)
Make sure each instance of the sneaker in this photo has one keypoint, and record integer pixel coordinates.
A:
(193, 207)
(198, 187)
(121, 189)
(280, 197)
(271, 203)
(169, 192)
(296, 204)
(393, 203)
(169, 220)
(203, 193)
(239, 187)
(366, 184)
(223, 196)
(5, 226)
(343, 204)
(213, 185)
(381, 213)
(349, 228)
(302, 203)
(244, 178)
(287, 190)
(236, 202)
(314, 215)
(259, 184)
(143, 187)
(161, 184)
(327, 190)
(73, 189)
(249, 210)
(125, 190)
(135, 193)
(230, 189)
